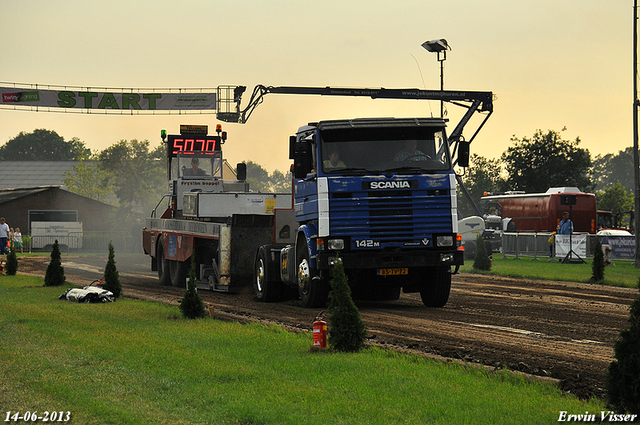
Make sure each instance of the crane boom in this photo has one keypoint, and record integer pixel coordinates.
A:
(480, 101)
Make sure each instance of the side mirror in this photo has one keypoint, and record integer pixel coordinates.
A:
(292, 146)
(301, 165)
(463, 153)
(241, 171)
(301, 151)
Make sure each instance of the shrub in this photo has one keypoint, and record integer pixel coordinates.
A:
(111, 275)
(597, 268)
(192, 306)
(346, 328)
(11, 266)
(482, 260)
(623, 381)
(54, 275)
(26, 243)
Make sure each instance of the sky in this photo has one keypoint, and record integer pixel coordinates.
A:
(550, 64)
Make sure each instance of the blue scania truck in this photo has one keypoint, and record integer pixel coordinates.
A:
(378, 195)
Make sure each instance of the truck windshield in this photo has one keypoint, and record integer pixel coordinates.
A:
(202, 166)
(379, 150)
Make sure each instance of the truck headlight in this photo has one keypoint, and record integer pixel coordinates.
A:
(444, 240)
(336, 244)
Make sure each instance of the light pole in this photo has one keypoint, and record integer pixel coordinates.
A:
(636, 159)
(439, 47)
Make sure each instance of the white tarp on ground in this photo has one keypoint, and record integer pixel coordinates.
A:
(88, 294)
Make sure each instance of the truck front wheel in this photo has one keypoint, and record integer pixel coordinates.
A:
(435, 291)
(163, 266)
(313, 290)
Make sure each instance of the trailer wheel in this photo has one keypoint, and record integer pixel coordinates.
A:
(313, 290)
(163, 266)
(435, 291)
(178, 271)
(267, 290)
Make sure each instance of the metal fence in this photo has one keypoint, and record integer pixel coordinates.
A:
(538, 245)
(88, 242)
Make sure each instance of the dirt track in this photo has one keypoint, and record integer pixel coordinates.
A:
(558, 330)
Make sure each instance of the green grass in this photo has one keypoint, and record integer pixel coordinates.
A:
(136, 362)
(623, 273)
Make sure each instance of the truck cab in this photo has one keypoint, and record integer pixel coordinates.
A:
(378, 195)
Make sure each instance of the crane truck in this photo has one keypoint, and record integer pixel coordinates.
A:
(376, 194)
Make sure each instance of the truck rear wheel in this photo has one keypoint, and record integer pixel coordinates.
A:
(313, 290)
(163, 266)
(178, 271)
(266, 288)
(435, 291)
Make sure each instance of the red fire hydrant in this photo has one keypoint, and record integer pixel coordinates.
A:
(320, 332)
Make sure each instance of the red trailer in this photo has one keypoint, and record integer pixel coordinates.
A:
(541, 212)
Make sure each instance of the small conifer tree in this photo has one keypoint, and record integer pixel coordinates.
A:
(111, 275)
(482, 260)
(192, 306)
(11, 266)
(54, 275)
(597, 268)
(623, 381)
(346, 328)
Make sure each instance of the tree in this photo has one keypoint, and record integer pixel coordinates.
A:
(11, 267)
(257, 177)
(42, 145)
(192, 306)
(87, 179)
(138, 176)
(546, 160)
(483, 175)
(280, 182)
(482, 260)
(111, 275)
(623, 380)
(615, 198)
(611, 169)
(54, 275)
(346, 328)
(261, 181)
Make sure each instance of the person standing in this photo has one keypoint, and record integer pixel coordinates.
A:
(4, 236)
(565, 227)
(17, 240)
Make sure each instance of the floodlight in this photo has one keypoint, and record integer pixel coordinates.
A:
(436, 45)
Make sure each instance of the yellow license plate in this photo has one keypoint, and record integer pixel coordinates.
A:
(393, 272)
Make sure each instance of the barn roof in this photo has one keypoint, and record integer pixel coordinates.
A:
(20, 174)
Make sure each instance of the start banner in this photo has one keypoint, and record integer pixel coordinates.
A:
(108, 101)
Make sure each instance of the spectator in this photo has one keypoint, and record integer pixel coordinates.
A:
(565, 227)
(17, 240)
(4, 236)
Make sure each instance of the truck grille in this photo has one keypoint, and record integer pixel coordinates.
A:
(390, 216)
